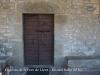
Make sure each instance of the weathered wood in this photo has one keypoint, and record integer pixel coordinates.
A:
(38, 39)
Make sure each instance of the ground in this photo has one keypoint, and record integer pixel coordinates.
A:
(90, 72)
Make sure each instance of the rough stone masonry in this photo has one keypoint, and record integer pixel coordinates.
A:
(76, 29)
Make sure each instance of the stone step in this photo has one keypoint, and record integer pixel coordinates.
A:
(83, 57)
(83, 61)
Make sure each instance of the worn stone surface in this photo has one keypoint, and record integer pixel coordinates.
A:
(82, 73)
(76, 29)
(94, 1)
(56, 73)
(18, 54)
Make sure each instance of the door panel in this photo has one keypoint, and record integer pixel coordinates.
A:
(29, 36)
(38, 39)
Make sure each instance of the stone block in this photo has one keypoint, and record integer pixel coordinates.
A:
(59, 1)
(12, 0)
(12, 8)
(17, 32)
(69, 10)
(5, 44)
(79, 11)
(60, 19)
(9, 30)
(18, 54)
(73, 63)
(4, 15)
(96, 11)
(18, 17)
(11, 4)
(66, 52)
(83, 63)
(7, 34)
(15, 40)
(80, 4)
(58, 49)
(5, 1)
(89, 52)
(77, 7)
(1, 37)
(18, 60)
(11, 19)
(2, 30)
(62, 61)
(4, 26)
(95, 1)
(87, 1)
(77, 1)
(74, 48)
(83, 48)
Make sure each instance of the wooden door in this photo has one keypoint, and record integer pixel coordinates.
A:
(38, 39)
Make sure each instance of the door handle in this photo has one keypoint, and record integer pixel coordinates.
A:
(42, 30)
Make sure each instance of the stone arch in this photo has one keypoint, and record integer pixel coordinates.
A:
(39, 7)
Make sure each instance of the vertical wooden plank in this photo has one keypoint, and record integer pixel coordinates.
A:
(30, 39)
(46, 24)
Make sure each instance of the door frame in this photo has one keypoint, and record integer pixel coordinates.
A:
(24, 40)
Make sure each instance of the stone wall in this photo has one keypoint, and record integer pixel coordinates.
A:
(76, 28)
